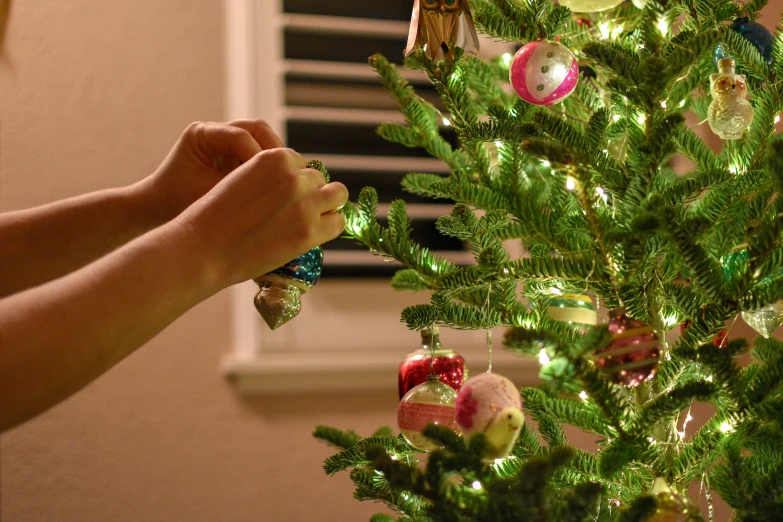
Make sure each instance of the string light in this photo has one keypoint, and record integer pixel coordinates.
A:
(446, 122)
(641, 119)
(570, 183)
(543, 357)
(476, 485)
(726, 427)
(663, 25)
(663, 104)
(506, 58)
(583, 395)
(777, 118)
(616, 117)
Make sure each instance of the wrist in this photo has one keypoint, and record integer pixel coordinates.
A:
(143, 200)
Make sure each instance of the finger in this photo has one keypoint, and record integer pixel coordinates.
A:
(221, 140)
(314, 178)
(261, 131)
(331, 197)
(332, 224)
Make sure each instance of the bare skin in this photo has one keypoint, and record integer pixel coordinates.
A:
(88, 280)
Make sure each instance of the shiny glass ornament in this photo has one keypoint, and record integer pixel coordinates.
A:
(735, 262)
(765, 320)
(431, 359)
(640, 4)
(756, 34)
(429, 402)
(440, 26)
(574, 309)
(632, 355)
(590, 6)
(544, 72)
(490, 404)
(729, 114)
(670, 506)
(279, 296)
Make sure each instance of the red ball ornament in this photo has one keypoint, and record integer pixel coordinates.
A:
(544, 72)
(632, 355)
(430, 402)
(431, 358)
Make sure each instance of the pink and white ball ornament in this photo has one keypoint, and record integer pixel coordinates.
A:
(544, 72)
(490, 404)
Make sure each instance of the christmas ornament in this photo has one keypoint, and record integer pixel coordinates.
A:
(431, 359)
(640, 4)
(544, 72)
(670, 506)
(573, 309)
(490, 404)
(735, 262)
(440, 26)
(758, 35)
(632, 355)
(729, 113)
(429, 402)
(765, 320)
(590, 6)
(278, 299)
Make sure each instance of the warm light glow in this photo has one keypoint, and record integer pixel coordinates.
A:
(651, 440)
(476, 484)
(446, 122)
(543, 357)
(641, 119)
(777, 118)
(507, 59)
(726, 427)
(583, 395)
(663, 26)
(546, 163)
(570, 183)
(394, 457)
(682, 103)
(681, 434)
(616, 117)
(555, 290)
(689, 418)
(663, 104)
(603, 28)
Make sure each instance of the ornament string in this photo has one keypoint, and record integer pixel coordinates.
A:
(489, 327)
(431, 341)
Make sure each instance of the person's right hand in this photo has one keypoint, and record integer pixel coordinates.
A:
(266, 212)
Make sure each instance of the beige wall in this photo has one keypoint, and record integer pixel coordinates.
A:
(93, 93)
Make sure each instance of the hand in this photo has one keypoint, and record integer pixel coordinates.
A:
(263, 214)
(203, 155)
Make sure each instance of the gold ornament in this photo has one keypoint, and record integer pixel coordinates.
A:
(671, 507)
(729, 113)
(440, 26)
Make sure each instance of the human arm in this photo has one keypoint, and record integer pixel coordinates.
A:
(46, 242)
(58, 337)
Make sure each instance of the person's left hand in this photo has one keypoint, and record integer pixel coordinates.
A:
(203, 155)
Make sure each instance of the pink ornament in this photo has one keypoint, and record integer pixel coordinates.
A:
(481, 399)
(544, 72)
(632, 355)
(430, 402)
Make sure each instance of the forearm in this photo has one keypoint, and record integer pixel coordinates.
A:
(58, 337)
(42, 243)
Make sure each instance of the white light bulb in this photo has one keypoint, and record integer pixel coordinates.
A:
(616, 117)
(641, 119)
(570, 183)
(583, 395)
(663, 26)
(446, 122)
(507, 59)
(726, 427)
(543, 357)
(476, 484)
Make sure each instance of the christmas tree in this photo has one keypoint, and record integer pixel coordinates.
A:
(567, 148)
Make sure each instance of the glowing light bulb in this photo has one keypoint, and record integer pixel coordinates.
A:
(570, 183)
(546, 163)
(555, 290)
(603, 28)
(476, 485)
(583, 395)
(507, 59)
(543, 357)
(682, 103)
(446, 122)
(616, 117)
(777, 118)
(663, 104)
(726, 427)
(663, 25)
(641, 119)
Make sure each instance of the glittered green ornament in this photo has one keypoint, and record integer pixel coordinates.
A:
(735, 262)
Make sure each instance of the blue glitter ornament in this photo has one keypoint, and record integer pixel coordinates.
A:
(758, 35)
(279, 297)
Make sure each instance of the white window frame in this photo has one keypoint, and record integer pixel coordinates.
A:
(262, 362)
